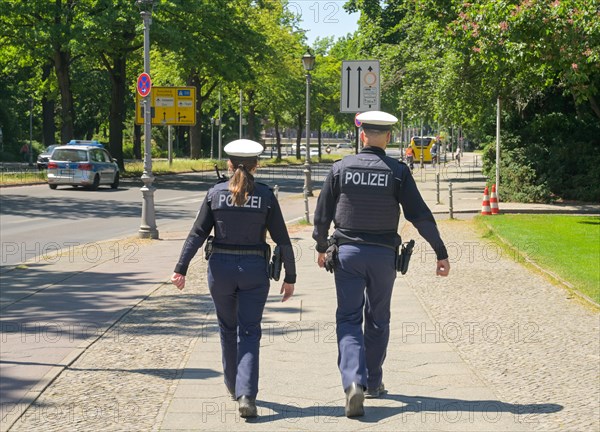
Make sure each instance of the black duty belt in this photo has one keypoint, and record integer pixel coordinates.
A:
(258, 252)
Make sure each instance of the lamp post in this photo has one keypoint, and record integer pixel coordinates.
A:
(212, 125)
(308, 61)
(30, 132)
(148, 225)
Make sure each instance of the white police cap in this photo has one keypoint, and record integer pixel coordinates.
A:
(243, 148)
(376, 120)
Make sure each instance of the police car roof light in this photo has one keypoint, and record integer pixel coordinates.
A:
(94, 143)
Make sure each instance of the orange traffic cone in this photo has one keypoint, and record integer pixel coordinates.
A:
(485, 206)
(494, 201)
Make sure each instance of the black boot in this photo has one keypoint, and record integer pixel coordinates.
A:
(355, 397)
(247, 406)
(374, 393)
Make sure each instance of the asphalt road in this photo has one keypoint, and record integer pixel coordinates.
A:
(35, 219)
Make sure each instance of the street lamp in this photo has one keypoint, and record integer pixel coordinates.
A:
(148, 225)
(308, 61)
(30, 132)
(212, 135)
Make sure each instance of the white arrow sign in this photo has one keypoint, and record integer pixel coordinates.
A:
(360, 86)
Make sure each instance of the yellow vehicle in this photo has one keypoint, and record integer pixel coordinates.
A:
(422, 145)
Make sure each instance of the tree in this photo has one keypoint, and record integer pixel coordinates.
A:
(214, 42)
(43, 32)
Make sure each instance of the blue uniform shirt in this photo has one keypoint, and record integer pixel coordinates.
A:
(239, 227)
(406, 195)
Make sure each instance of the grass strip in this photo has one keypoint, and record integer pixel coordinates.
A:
(159, 167)
(568, 246)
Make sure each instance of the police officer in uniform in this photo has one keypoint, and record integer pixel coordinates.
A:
(362, 195)
(240, 211)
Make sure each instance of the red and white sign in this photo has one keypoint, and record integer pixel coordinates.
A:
(144, 84)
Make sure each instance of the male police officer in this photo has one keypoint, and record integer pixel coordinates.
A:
(361, 195)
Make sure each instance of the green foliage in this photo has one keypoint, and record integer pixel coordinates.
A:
(518, 179)
(546, 157)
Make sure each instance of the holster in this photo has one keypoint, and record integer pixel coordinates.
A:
(403, 254)
(208, 247)
(275, 264)
(331, 256)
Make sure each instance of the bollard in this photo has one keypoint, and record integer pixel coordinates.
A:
(437, 186)
(306, 213)
(451, 210)
(276, 191)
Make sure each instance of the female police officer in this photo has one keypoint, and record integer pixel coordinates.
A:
(240, 211)
(361, 195)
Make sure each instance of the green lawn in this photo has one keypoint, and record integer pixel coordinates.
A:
(25, 177)
(566, 245)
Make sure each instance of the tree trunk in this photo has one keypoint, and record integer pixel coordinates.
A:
(137, 141)
(251, 131)
(67, 114)
(196, 130)
(116, 116)
(594, 105)
(319, 140)
(48, 125)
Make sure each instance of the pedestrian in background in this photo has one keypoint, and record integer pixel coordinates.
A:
(362, 195)
(434, 153)
(25, 152)
(410, 157)
(240, 211)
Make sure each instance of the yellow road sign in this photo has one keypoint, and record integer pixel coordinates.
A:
(170, 106)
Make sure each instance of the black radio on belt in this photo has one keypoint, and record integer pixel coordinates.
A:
(403, 258)
(275, 264)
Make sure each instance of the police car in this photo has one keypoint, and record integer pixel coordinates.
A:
(86, 163)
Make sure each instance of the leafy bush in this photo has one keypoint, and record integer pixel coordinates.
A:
(553, 155)
(518, 179)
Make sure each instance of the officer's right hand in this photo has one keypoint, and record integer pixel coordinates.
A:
(178, 280)
(287, 289)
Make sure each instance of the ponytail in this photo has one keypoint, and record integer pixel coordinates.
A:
(241, 183)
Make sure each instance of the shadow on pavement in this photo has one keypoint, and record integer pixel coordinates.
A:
(451, 408)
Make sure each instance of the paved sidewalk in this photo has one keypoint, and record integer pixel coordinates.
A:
(430, 386)
(493, 347)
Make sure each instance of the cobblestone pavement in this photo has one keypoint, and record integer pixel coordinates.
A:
(121, 381)
(532, 341)
(527, 339)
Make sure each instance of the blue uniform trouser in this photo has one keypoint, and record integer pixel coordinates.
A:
(364, 281)
(239, 285)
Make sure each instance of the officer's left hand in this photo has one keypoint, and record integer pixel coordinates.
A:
(443, 267)
(321, 259)
(287, 289)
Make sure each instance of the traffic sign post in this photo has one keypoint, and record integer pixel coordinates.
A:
(360, 86)
(174, 106)
(357, 122)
